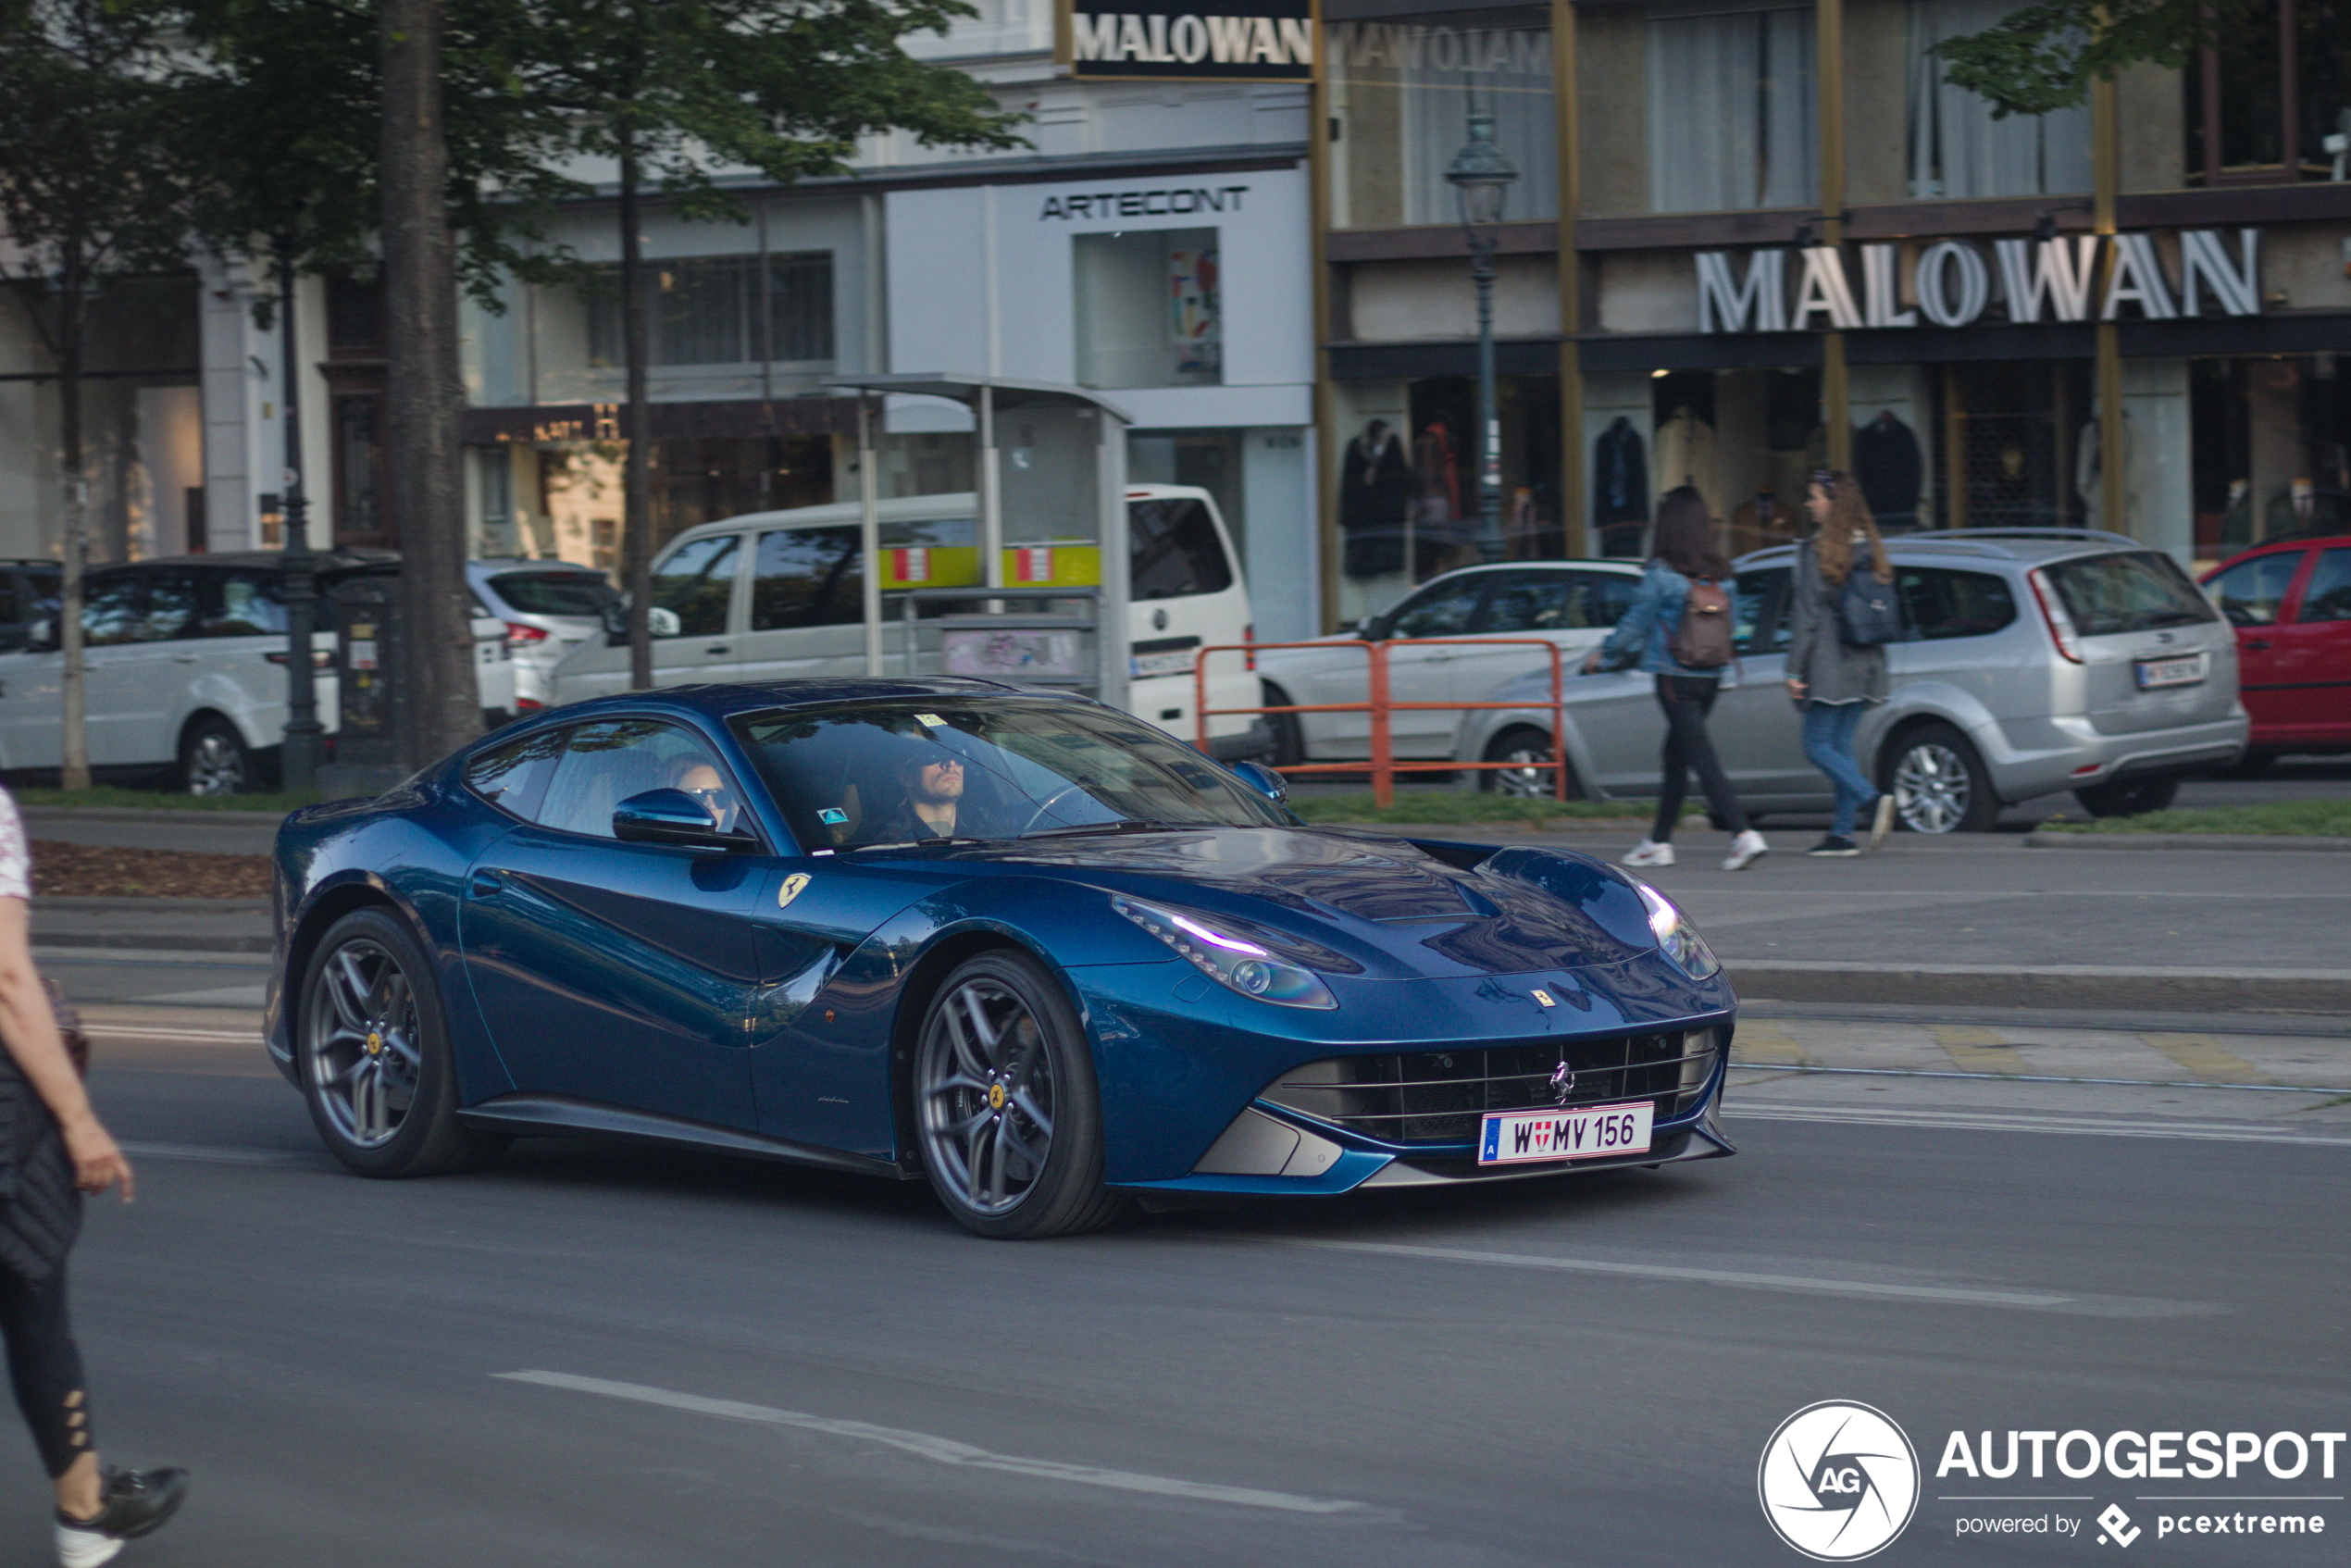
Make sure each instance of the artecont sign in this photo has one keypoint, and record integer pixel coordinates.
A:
(1240, 40)
(1951, 282)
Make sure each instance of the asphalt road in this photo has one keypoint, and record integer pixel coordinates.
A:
(734, 1364)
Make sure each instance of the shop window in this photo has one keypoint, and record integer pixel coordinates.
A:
(2263, 101)
(1149, 308)
(1957, 147)
(719, 310)
(2022, 446)
(1402, 93)
(2272, 449)
(1732, 116)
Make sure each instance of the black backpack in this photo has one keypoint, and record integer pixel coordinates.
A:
(1869, 613)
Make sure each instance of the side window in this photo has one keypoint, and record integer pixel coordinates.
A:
(806, 577)
(241, 604)
(1938, 604)
(113, 609)
(172, 606)
(514, 776)
(2251, 593)
(604, 763)
(1600, 599)
(1444, 609)
(692, 588)
(1762, 626)
(2328, 596)
(1172, 550)
(1533, 602)
(13, 609)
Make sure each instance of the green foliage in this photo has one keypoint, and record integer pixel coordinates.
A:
(2045, 57)
(2329, 819)
(1449, 807)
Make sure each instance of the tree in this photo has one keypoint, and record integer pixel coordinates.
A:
(2045, 57)
(91, 187)
(673, 92)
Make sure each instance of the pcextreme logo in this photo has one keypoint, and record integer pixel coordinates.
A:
(1838, 1481)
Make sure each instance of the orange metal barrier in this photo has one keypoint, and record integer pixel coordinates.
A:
(1383, 766)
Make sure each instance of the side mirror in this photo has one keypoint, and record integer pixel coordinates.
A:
(1264, 780)
(42, 634)
(676, 818)
(615, 619)
(1373, 629)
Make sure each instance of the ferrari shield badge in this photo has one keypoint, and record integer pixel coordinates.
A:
(1543, 999)
(794, 885)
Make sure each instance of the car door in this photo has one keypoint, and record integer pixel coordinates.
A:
(693, 613)
(618, 974)
(1425, 673)
(807, 605)
(2312, 659)
(123, 666)
(2252, 594)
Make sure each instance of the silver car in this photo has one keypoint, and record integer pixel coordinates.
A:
(550, 607)
(2041, 660)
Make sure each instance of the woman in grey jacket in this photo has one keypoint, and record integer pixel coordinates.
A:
(1831, 681)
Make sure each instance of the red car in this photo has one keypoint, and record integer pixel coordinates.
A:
(2291, 605)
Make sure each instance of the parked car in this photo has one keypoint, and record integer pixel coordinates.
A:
(549, 608)
(184, 671)
(2041, 660)
(696, 916)
(776, 596)
(2289, 601)
(1573, 604)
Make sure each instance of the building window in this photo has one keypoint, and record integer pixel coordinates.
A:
(1957, 148)
(1401, 94)
(2280, 76)
(359, 517)
(1732, 112)
(1149, 308)
(715, 310)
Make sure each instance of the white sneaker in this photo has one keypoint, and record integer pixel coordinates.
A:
(1649, 851)
(1745, 850)
(1882, 821)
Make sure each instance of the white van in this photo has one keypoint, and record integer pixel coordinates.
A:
(777, 595)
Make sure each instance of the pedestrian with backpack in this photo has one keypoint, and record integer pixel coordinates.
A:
(1845, 612)
(1680, 622)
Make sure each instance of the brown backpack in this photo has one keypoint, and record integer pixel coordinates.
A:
(1704, 640)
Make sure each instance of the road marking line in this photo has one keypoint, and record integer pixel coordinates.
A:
(1992, 1122)
(2202, 1058)
(1705, 1275)
(946, 1450)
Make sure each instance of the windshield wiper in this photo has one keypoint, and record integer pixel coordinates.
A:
(1124, 825)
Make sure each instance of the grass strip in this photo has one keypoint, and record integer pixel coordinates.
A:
(2294, 818)
(1459, 806)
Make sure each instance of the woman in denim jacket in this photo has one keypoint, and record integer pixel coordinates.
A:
(1686, 550)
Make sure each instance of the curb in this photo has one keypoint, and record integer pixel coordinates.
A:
(2306, 844)
(2061, 986)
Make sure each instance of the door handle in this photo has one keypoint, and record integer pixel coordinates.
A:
(719, 648)
(483, 885)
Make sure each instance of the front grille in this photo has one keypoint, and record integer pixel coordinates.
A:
(1436, 1097)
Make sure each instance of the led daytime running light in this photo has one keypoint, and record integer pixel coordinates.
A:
(1231, 961)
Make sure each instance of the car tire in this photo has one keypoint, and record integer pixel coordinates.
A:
(1289, 739)
(2129, 796)
(1005, 1107)
(371, 1046)
(214, 759)
(1938, 782)
(1526, 744)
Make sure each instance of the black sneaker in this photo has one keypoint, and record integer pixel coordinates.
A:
(134, 1503)
(1834, 845)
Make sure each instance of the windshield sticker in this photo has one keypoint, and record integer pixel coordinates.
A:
(933, 721)
(832, 816)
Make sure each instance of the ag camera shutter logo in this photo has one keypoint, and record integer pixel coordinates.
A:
(1839, 1481)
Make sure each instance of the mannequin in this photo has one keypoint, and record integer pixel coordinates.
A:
(1620, 488)
(1375, 487)
(1891, 469)
(1686, 454)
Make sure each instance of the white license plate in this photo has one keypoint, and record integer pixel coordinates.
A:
(1591, 1132)
(1178, 663)
(2187, 669)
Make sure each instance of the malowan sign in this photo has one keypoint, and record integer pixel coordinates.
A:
(1243, 41)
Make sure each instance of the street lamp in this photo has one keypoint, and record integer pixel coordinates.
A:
(298, 763)
(1481, 176)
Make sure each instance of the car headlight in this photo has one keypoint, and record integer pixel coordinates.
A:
(1224, 955)
(1676, 937)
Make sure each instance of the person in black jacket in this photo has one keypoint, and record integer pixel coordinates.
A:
(53, 1149)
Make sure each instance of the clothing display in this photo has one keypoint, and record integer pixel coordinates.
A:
(2137, 481)
(1620, 488)
(1436, 466)
(1890, 468)
(1685, 455)
(2302, 508)
(1761, 522)
(1375, 488)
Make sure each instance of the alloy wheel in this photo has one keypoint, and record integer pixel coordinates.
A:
(985, 1087)
(216, 765)
(1931, 787)
(1528, 776)
(364, 1038)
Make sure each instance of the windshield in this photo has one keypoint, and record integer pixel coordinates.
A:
(2137, 590)
(554, 593)
(901, 772)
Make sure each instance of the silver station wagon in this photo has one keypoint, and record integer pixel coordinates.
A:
(2040, 660)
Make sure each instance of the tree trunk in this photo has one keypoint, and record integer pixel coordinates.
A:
(435, 701)
(73, 691)
(637, 509)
